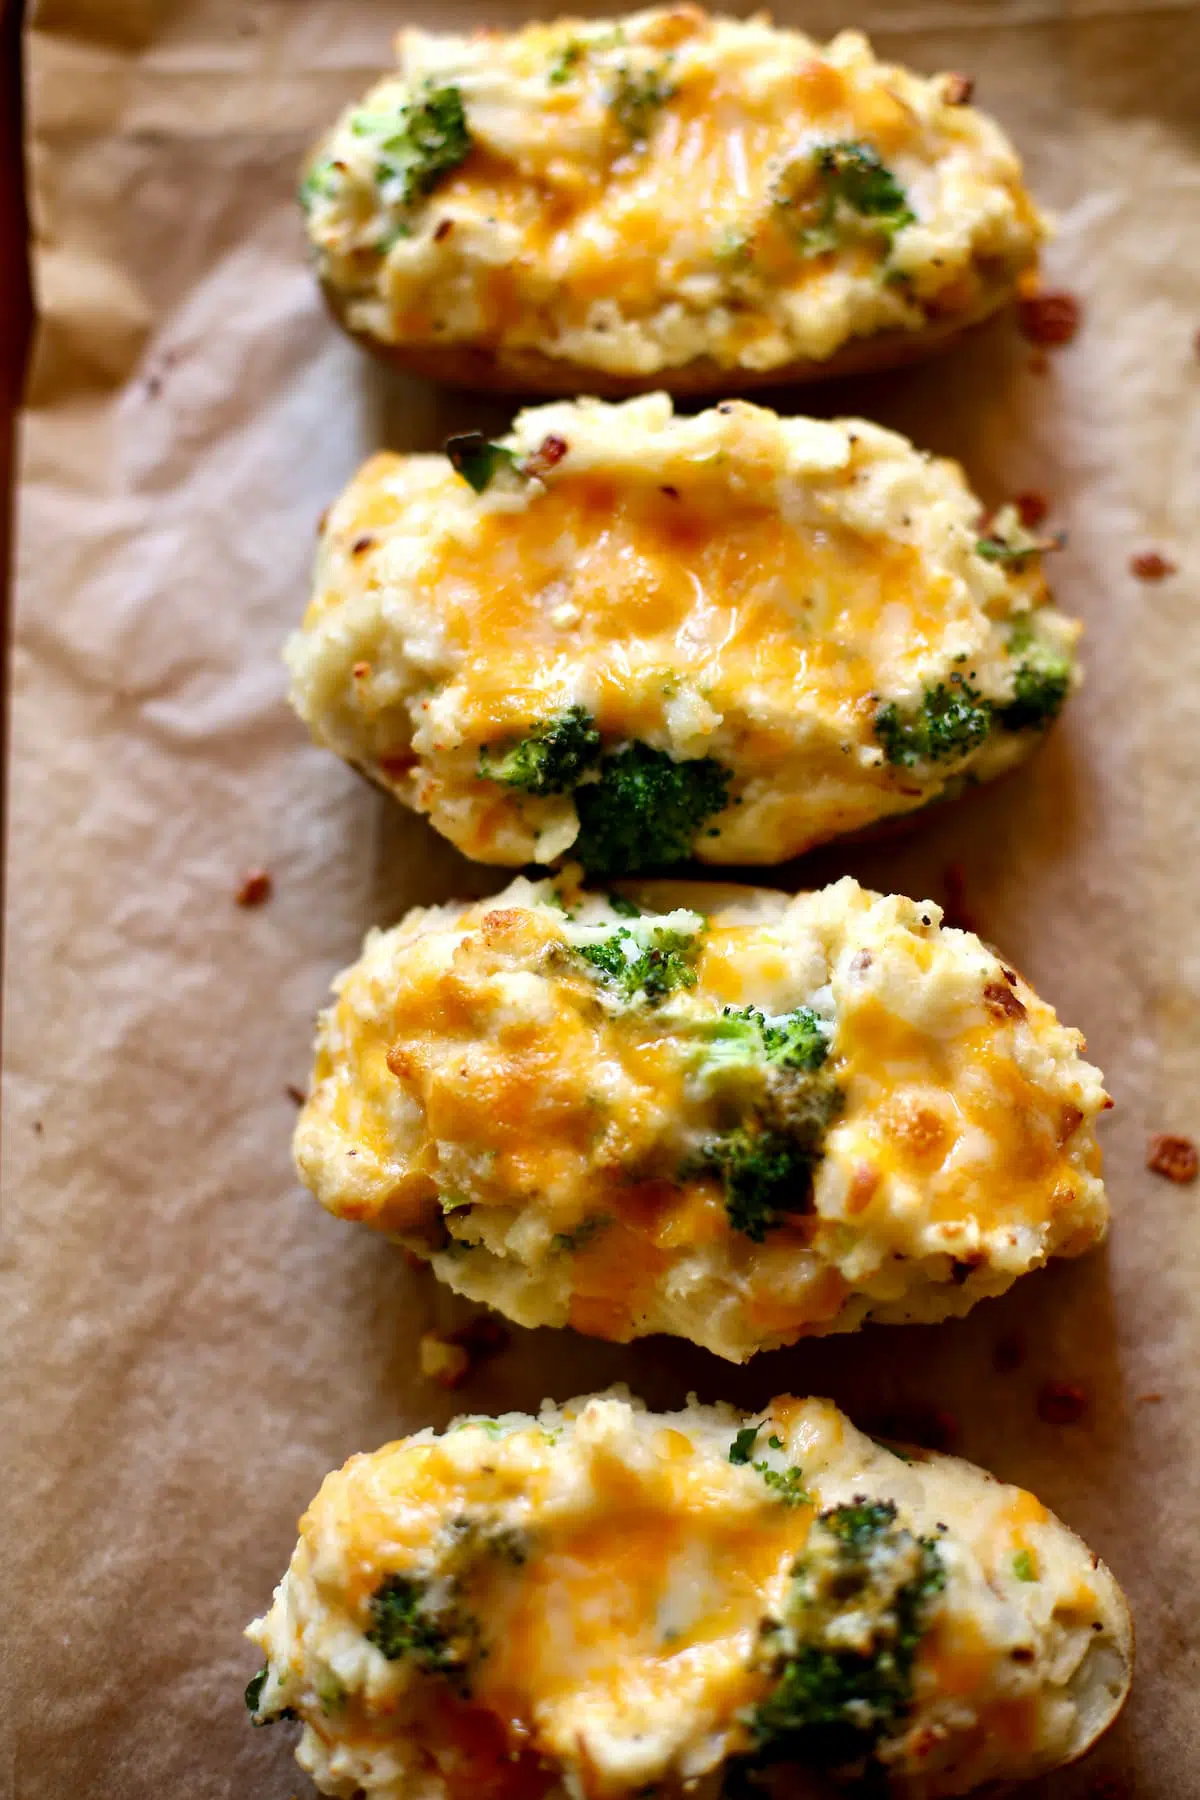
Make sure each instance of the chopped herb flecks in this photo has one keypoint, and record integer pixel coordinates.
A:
(742, 1447)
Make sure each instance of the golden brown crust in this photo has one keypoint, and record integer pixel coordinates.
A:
(525, 371)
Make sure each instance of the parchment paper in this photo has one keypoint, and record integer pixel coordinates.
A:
(190, 1342)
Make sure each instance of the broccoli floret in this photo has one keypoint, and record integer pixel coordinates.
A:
(832, 1704)
(476, 460)
(550, 760)
(951, 721)
(767, 1176)
(634, 99)
(1040, 685)
(404, 1624)
(418, 144)
(795, 1040)
(853, 171)
(786, 1484)
(840, 187)
(646, 970)
(646, 809)
(766, 1161)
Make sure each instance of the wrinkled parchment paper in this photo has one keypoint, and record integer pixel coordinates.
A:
(191, 1343)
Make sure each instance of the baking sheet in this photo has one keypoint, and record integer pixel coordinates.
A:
(190, 1342)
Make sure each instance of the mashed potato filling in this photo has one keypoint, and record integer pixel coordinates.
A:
(601, 1599)
(638, 196)
(722, 1113)
(801, 628)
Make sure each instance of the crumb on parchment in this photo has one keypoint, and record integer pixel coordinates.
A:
(1173, 1156)
(256, 888)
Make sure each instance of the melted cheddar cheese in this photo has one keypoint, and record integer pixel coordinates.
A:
(617, 1579)
(733, 589)
(635, 198)
(485, 1093)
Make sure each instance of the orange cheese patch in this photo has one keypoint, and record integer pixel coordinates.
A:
(663, 587)
(957, 1117)
(661, 1579)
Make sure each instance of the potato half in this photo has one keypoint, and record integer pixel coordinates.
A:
(671, 201)
(629, 637)
(606, 1601)
(723, 1113)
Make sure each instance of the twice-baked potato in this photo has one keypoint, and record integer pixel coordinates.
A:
(670, 200)
(604, 1601)
(719, 1112)
(629, 637)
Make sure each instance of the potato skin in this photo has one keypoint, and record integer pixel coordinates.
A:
(527, 372)
(546, 1139)
(772, 594)
(676, 1511)
(553, 255)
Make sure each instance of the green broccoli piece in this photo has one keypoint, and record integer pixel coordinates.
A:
(646, 809)
(832, 1705)
(951, 721)
(403, 1624)
(767, 1161)
(417, 144)
(767, 1175)
(1024, 1567)
(853, 187)
(318, 180)
(550, 760)
(853, 171)
(477, 460)
(634, 99)
(744, 1035)
(565, 63)
(999, 550)
(1040, 685)
(649, 971)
